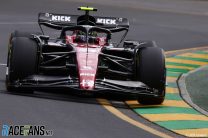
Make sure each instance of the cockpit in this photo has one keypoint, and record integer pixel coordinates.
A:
(86, 34)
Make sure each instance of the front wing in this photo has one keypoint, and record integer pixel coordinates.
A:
(128, 88)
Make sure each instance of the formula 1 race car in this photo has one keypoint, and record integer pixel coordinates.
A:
(84, 59)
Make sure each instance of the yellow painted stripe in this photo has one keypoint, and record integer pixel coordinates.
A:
(104, 102)
(169, 103)
(195, 55)
(202, 132)
(171, 79)
(122, 116)
(186, 61)
(175, 103)
(183, 50)
(179, 67)
(171, 90)
(174, 117)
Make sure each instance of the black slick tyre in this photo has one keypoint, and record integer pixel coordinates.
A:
(22, 60)
(150, 68)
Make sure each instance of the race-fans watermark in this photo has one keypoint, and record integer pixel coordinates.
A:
(25, 130)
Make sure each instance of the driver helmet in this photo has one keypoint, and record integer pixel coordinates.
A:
(81, 36)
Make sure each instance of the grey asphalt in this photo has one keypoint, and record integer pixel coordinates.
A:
(74, 117)
(196, 85)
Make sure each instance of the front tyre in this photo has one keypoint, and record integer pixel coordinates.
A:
(22, 60)
(150, 68)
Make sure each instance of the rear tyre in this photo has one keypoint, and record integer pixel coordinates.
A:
(23, 34)
(22, 60)
(151, 70)
(144, 44)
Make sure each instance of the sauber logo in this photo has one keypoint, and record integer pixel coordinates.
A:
(106, 21)
(61, 18)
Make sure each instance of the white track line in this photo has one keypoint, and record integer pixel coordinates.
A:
(2, 64)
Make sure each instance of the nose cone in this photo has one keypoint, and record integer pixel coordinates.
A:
(87, 84)
(87, 75)
(87, 61)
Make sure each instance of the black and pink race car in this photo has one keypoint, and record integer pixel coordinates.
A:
(83, 58)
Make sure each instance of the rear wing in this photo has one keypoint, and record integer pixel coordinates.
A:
(58, 21)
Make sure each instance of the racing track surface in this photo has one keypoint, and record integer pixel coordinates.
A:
(78, 117)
